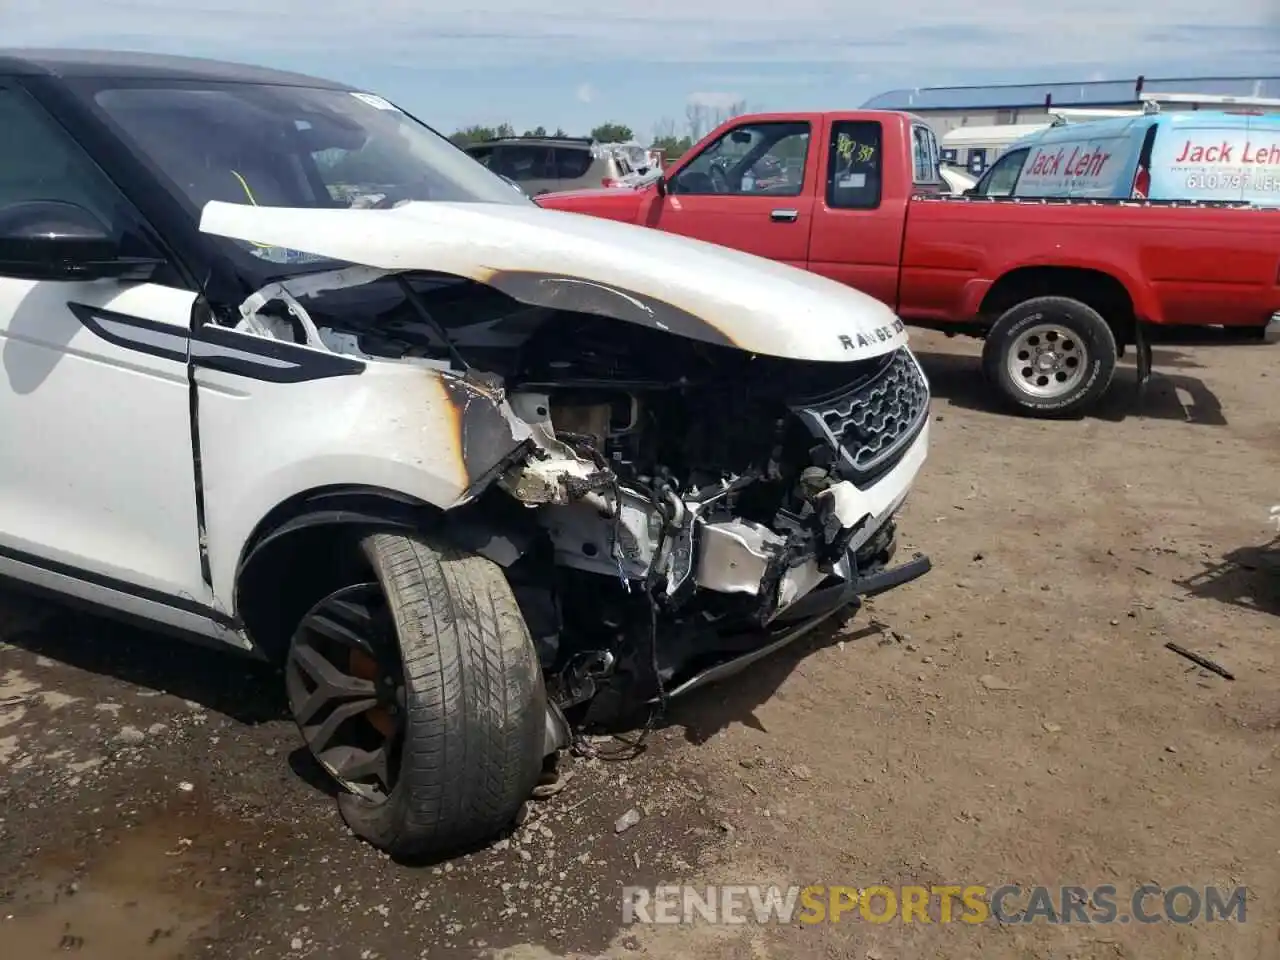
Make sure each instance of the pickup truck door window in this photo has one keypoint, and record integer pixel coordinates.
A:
(94, 386)
(856, 235)
(748, 190)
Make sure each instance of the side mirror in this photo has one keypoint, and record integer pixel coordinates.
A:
(53, 240)
(661, 185)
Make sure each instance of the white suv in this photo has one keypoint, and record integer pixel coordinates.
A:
(286, 371)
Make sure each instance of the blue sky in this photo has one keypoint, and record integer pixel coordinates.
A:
(576, 63)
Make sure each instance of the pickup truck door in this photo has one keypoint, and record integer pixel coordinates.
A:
(748, 189)
(97, 480)
(859, 220)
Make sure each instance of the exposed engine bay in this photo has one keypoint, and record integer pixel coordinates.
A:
(690, 502)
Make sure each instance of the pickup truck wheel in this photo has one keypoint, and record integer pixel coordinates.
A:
(421, 694)
(1050, 356)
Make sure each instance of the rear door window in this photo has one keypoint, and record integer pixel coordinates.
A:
(523, 163)
(924, 156)
(572, 162)
(854, 165)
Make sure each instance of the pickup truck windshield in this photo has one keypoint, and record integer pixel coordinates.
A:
(285, 146)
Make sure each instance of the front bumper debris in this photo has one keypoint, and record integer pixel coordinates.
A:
(809, 612)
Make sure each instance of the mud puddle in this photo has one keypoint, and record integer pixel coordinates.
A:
(153, 890)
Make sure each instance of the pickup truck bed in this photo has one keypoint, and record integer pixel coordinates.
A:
(1058, 288)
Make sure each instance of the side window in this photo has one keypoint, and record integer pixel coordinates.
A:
(854, 165)
(571, 163)
(40, 161)
(523, 163)
(482, 155)
(924, 156)
(756, 159)
(1002, 179)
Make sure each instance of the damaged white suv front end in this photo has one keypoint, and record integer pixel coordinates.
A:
(476, 475)
(711, 447)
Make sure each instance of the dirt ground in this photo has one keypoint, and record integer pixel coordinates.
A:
(1013, 717)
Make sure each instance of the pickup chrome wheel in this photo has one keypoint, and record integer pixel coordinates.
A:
(1048, 361)
(1050, 356)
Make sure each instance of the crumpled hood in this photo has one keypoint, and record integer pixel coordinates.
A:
(574, 262)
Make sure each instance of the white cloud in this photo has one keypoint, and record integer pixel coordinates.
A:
(714, 100)
(585, 93)
(912, 38)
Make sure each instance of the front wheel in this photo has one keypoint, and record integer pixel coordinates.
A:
(1050, 356)
(420, 692)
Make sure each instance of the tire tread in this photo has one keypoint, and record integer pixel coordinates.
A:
(475, 701)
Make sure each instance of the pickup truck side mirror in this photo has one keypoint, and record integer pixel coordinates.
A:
(53, 240)
(661, 185)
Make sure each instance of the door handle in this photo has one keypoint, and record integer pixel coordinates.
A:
(785, 216)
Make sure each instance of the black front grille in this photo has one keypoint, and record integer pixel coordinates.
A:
(874, 422)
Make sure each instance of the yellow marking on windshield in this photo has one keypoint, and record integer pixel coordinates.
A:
(249, 193)
(243, 183)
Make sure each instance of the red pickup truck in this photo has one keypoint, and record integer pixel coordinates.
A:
(1058, 288)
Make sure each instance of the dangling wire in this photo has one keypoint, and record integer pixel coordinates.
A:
(633, 748)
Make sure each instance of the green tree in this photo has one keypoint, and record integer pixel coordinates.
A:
(476, 133)
(665, 139)
(536, 132)
(613, 133)
(472, 134)
(672, 147)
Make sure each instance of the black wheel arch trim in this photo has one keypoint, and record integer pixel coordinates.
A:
(480, 527)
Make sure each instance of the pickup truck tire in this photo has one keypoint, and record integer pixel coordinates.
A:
(1050, 356)
(464, 726)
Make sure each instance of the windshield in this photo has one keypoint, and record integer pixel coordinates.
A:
(283, 146)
